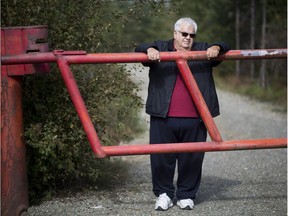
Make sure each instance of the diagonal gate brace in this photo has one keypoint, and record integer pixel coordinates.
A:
(103, 151)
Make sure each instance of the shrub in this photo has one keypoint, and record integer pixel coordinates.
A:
(57, 147)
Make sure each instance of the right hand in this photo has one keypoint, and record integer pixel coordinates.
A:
(153, 54)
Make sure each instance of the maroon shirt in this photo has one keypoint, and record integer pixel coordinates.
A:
(181, 104)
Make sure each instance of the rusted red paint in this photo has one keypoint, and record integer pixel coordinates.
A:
(24, 40)
(102, 151)
(14, 183)
(101, 58)
(64, 58)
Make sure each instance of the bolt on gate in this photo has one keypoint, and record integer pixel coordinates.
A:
(13, 67)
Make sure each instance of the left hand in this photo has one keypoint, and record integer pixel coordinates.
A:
(213, 51)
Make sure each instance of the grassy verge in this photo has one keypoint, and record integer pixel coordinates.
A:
(275, 93)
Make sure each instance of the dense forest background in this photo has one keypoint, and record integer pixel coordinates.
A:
(58, 152)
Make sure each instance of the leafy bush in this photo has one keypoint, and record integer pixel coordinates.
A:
(58, 150)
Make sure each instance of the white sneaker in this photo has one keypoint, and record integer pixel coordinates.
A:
(163, 202)
(186, 204)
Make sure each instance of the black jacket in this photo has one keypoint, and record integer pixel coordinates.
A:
(163, 76)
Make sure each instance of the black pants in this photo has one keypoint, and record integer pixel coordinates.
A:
(177, 130)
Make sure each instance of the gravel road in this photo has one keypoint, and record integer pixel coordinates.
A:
(242, 183)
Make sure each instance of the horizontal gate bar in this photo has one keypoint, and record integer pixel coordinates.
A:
(194, 147)
(82, 58)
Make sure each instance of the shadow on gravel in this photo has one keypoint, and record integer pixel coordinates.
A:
(214, 188)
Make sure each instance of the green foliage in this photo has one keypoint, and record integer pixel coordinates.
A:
(216, 22)
(274, 93)
(57, 148)
(215, 19)
(156, 24)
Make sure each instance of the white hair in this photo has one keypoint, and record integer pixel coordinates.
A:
(187, 20)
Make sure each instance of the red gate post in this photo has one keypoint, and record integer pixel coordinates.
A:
(14, 182)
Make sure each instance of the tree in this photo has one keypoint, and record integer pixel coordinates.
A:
(237, 35)
(252, 37)
(263, 79)
(57, 148)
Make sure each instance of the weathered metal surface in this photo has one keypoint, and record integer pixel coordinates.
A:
(198, 100)
(64, 58)
(102, 151)
(24, 40)
(14, 183)
(80, 106)
(262, 53)
(195, 147)
(141, 57)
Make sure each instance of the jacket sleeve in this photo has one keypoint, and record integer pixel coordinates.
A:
(144, 47)
(223, 47)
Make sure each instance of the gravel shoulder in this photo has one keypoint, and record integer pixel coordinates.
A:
(246, 183)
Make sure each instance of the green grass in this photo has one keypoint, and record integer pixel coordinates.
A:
(275, 93)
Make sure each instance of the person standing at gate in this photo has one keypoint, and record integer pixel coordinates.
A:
(173, 115)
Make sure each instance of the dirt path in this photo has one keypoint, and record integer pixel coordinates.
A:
(234, 183)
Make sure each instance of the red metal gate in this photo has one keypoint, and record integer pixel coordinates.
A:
(64, 59)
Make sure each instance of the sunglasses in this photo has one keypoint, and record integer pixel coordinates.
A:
(185, 34)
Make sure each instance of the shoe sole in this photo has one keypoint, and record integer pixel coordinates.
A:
(186, 208)
(161, 209)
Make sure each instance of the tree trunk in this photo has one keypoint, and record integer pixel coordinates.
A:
(252, 37)
(237, 36)
(263, 76)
